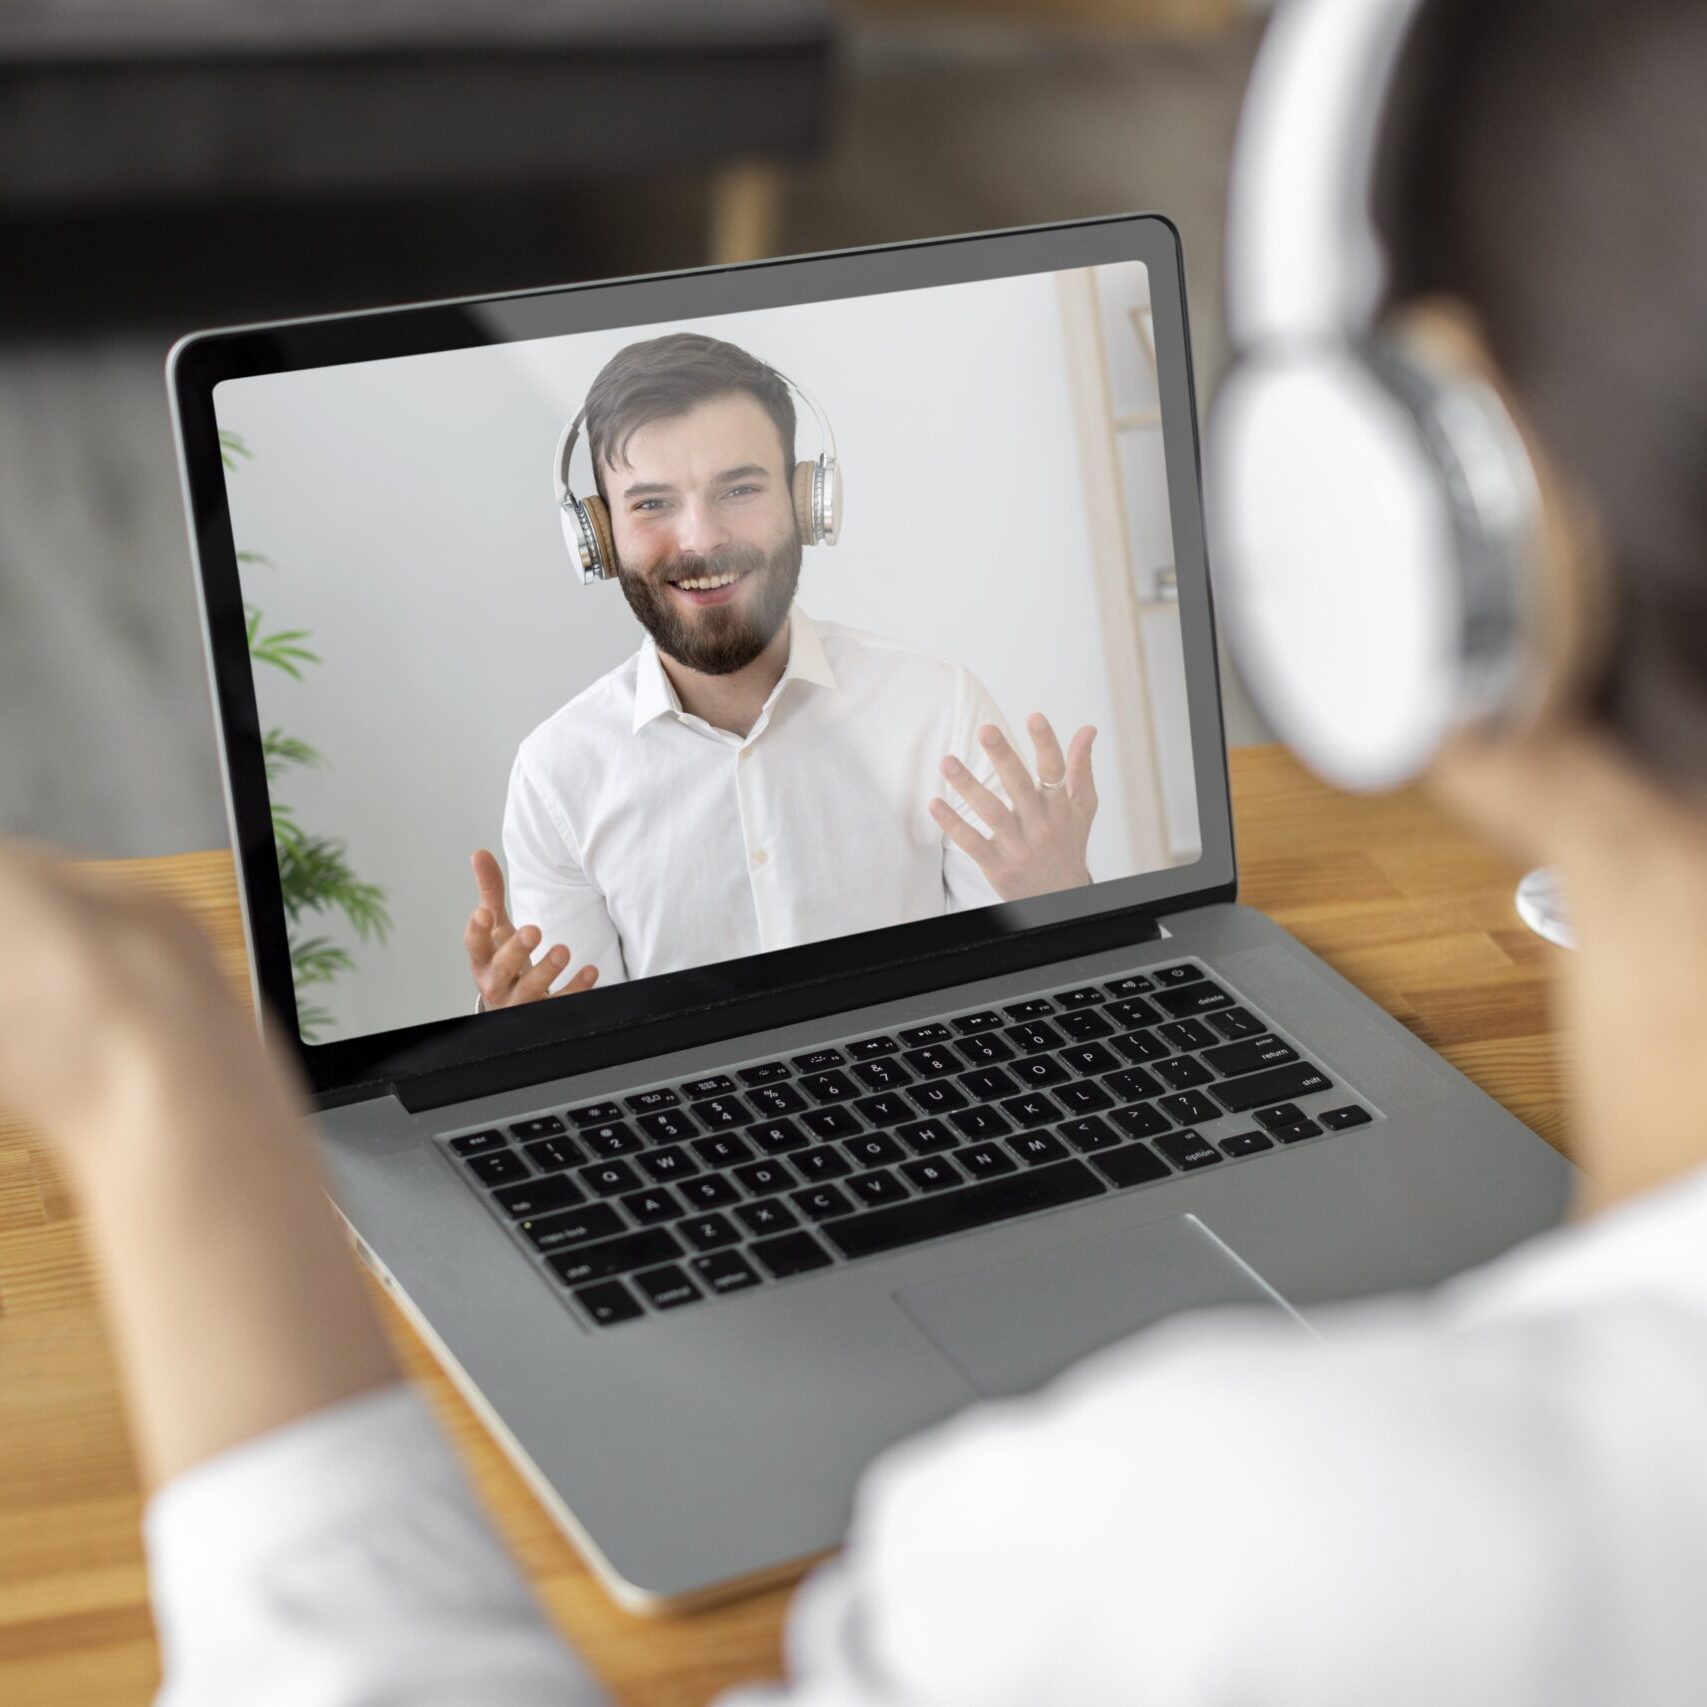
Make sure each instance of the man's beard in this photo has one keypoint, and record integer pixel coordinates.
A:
(717, 640)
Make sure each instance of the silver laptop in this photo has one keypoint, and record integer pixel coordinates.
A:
(738, 632)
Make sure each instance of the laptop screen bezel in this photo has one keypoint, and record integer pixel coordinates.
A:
(734, 997)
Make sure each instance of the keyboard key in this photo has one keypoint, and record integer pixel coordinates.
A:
(709, 1191)
(934, 1061)
(667, 1287)
(1338, 1119)
(552, 1155)
(619, 1139)
(1034, 1037)
(969, 1025)
(712, 1085)
(822, 1162)
(1282, 1114)
(725, 1271)
(766, 1073)
(986, 1161)
(927, 1137)
(817, 1060)
(1132, 1084)
(1035, 1148)
(1263, 1050)
(645, 1249)
(709, 1232)
(1133, 1013)
(608, 1303)
(1032, 1110)
(609, 1178)
(869, 1048)
(958, 1211)
(1137, 985)
(1083, 1098)
(887, 1108)
(649, 1102)
(985, 1050)
(1183, 1072)
(1246, 1143)
(980, 1123)
(831, 1123)
(1142, 1120)
(1089, 1058)
(1299, 1129)
(878, 1187)
(937, 1097)
(876, 1150)
(935, 1174)
(544, 1126)
(882, 1075)
(989, 1084)
(1141, 1046)
(777, 1137)
(1188, 1108)
(1188, 1149)
(1187, 1034)
(1169, 976)
(478, 1143)
(1088, 997)
(822, 1202)
(1082, 1027)
(772, 1100)
(718, 1114)
(1272, 1084)
(793, 1253)
(658, 1204)
(595, 1114)
(762, 1178)
(1089, 1134)
(1193, 999)
(539, 1196)
(833, 1086)
(501, 1167)
(1132, 1164)
(770, 1216)
(1237, 1022)
(917, 1035)
(1036, 1008)
(1037, 1072)
(723, 1152)
(667, 1127)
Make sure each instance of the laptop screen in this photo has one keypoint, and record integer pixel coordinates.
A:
(868, 615)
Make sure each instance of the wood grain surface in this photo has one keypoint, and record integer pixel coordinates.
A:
(1388, 891)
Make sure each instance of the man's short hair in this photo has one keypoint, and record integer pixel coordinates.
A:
(661, 377)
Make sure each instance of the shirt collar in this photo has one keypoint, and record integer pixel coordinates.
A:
(654, 695)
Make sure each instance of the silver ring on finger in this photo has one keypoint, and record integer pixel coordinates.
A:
(1050, 787)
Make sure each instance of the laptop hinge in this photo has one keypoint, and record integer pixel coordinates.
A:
(442, 1086)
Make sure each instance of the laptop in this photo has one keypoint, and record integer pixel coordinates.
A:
(885, 1069)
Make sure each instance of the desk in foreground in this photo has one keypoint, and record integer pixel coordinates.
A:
(1386, 890)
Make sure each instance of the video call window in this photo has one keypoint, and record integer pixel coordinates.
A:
(732, 737)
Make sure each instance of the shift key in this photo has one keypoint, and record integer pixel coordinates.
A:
(1274, 1084)
(616, 1256)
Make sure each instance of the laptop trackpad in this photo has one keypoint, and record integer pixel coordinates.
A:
(1010, 1326)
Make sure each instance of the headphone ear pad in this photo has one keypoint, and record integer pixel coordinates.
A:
(598, 524)
(801, 486)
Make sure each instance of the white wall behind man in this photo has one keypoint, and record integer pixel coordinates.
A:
(406, 507)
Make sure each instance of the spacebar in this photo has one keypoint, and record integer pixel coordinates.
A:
(956, 1211)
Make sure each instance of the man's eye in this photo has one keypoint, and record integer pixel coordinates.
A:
(649, 503)
(739, 491)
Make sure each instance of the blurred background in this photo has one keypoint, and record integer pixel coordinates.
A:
(167, 165)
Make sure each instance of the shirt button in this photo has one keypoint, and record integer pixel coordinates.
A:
(742, 756)
(760, 857)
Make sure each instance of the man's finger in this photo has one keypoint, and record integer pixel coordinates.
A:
(489, 875)
(958, 831)
(585, 979)
(477, 939)
(1016, 779)
(1051, 767)
(987, 804)
(1080, 783)
(509, 963)
(535, 984)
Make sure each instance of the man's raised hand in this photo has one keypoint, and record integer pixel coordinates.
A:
(501, 957)
(1036, 845)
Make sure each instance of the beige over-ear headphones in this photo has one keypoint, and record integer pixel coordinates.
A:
(816, 489)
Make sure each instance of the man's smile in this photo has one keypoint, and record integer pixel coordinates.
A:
(714, 589)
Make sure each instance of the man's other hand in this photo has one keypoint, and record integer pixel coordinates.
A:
(1037, 845)
(501, 957)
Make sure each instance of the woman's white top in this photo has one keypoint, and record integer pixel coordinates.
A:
(1494, 1495)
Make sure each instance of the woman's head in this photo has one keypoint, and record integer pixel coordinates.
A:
(1544, 166)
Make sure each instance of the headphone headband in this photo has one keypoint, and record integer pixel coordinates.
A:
(1304, 262)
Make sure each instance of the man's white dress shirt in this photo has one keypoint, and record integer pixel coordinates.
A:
(647, 840)
(1494, 1496)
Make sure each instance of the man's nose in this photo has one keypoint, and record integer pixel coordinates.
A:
(700, 529)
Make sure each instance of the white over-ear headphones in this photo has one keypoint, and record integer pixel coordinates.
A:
(815, 489)
(1376, 515)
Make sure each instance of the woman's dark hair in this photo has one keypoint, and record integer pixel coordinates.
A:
(1546, 162)
(661, 377)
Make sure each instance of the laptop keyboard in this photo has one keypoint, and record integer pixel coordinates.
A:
(661, 1197)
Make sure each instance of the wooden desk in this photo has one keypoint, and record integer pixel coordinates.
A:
(1386, 890)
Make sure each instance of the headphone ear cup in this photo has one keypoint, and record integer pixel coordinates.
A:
(801, 485)
(598, 527)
